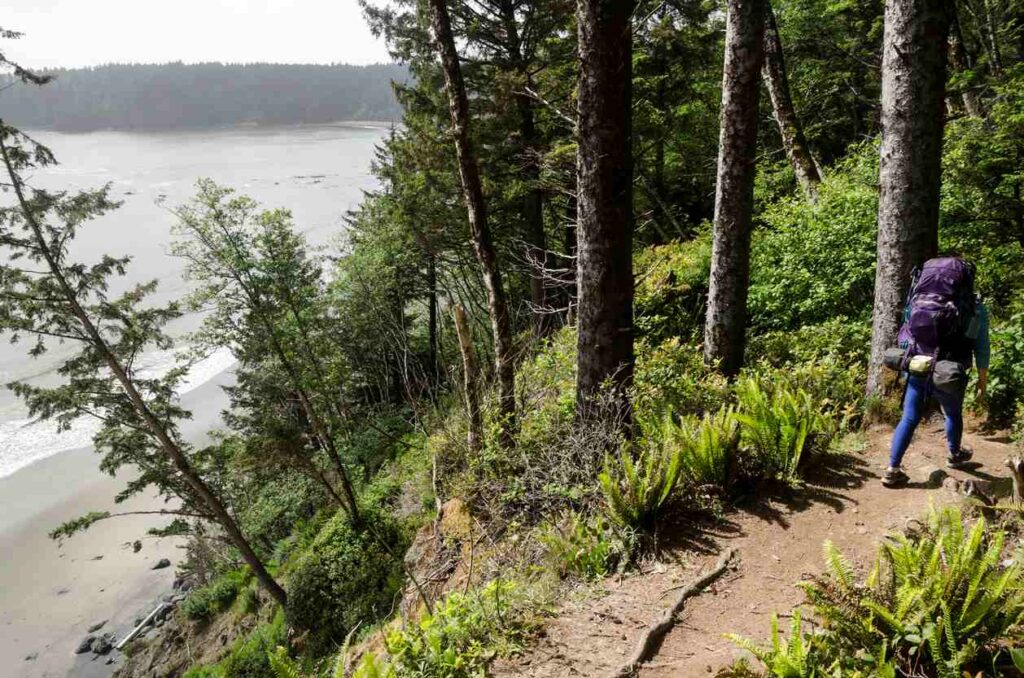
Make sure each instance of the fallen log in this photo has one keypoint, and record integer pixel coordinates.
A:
(143, 624)
(647, 644)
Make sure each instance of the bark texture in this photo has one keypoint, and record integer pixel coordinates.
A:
(473, 193)
(962, 61)
(724, 332)
(790, 129)
(913, 116)
(604, 180)
(533, 200)
(470, 378)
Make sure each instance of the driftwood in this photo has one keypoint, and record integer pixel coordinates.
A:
(648, 643)
(1016, 466)
(143, 624)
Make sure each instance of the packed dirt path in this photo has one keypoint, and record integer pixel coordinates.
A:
(779, 540)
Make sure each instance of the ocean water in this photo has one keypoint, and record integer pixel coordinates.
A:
(318, 172)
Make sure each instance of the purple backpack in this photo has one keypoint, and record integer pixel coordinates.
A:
(940, 305)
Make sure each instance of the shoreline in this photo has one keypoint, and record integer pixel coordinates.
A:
(51, 594)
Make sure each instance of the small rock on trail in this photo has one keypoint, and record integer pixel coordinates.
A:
(161, 564)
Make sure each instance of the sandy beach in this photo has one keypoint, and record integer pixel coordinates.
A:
(50, 595)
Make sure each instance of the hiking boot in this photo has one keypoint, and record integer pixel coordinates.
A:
(958, 459)
(895, 477)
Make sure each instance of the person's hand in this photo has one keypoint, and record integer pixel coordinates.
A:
(982, 386)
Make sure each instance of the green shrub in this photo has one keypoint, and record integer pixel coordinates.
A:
(672, 288)
(636, 491)
(841, 340)
(942, 603)
(203, 603)
(812, 263)
(277, 504)
(587, 548)
(1006, 372)
(461, 637)
(707, 446)
(837, 387)
(780, 426)
(345, 577)
(249, 656)
(671, 375)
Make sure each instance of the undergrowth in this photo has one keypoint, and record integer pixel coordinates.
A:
(943, 603)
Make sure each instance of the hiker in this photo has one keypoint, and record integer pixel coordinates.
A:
(945, 329)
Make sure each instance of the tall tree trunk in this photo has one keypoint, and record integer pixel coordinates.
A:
(604, 168)
(962, 61)
(569, 276)
(790, 129)
(470, 379)
(533, 201)
(432, 359)
(913, 116)
(724, 332)
(473, 193)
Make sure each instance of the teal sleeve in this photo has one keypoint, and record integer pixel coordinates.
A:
(982, 347)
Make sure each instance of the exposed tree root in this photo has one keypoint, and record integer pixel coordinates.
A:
(648, 643)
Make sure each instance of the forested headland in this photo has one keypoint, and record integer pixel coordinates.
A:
(627, 282)
(194, 96)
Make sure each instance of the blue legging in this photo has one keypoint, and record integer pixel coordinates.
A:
(918, 390)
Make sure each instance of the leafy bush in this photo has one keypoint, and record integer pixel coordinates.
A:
(939, 604)
(276, 504)
(461, 637)
(812, 263)
(707, 446)
(842, 340)
(780, 425)
(836, 386)
(346, 576)
(203, 603)
(588, 549)
(249, 656)
(672, 288)
(1006, 373)
(636, 491)
(671, 375)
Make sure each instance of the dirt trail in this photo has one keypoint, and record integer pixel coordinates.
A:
(779, 540)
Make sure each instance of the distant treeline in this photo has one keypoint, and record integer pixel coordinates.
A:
(176, 95)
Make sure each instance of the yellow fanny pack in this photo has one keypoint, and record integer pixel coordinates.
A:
(920, 364)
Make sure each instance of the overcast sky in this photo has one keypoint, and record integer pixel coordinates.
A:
(89, 32)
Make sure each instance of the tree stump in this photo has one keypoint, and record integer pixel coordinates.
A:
(1016, 466)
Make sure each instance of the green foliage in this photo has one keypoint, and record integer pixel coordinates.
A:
(783, 659)
(781, 425)
(250, 655)
(203, 603)
(939, 603)
(461, 637)
(672, 375)
(637, 486)
(587, 548)
(707, 447)
(347, 576)
(1006, 373)
(839, 339)
(80, 524)
(671, 290)
(812, 263)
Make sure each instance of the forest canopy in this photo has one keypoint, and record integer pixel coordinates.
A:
(177, 95)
